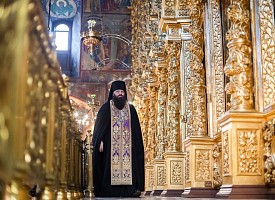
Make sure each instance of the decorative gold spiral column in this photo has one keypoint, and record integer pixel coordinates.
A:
(151, 142)
(174, 166)
(241, 125)
(197, 145)
(173, 155)
(197, 118)
(144, 116)
(159, 162)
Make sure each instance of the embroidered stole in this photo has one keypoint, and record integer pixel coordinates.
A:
(121, 145)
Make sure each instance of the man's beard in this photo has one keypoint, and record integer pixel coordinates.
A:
(119, 101)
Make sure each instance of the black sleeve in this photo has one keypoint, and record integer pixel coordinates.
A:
(101, 124)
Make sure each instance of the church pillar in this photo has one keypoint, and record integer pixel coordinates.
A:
(48, 192)
(71, 184)
(143, 101)
(159, 162)
(197, 145)
(241, 125)
(65, 115)
(152, 134)
(215, 81)
(173, 155)
(144, 110)
(151, 143)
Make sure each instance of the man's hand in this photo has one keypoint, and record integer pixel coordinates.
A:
(101, 147)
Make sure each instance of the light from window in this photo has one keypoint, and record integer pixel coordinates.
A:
(62, 37)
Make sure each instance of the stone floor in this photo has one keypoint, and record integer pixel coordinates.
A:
(154, 198)
(149, 198)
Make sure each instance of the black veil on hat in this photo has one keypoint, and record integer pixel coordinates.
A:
(117, 85)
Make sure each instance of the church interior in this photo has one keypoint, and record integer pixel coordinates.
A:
(201, 74)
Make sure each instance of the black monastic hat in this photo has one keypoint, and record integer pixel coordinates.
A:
(117, 85)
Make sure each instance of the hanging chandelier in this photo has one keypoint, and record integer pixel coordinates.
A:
(90, 37)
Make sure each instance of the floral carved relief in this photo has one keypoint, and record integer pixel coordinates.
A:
(169, 9)
(217, 182)
(218, 60)
(187, 166)
(267, 31)
(161, 176)
(203, 168)
(269, 151)
(248, 152)
(226, 166)
(176, 172)
(151, 179)
(182, 9)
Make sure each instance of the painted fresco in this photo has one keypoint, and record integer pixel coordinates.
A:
(103, 6)
(62, 8)
(97, 82)
(103, 76)
(83, 90)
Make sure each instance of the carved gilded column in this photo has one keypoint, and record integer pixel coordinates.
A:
(161, 118)
(48, 192)
(215, 82)
(159, 162)
(173, 156)
(238, 64)
(173, 103)
(197, 117)
(64, 117)
(265, 84)
(152, 132)
(241, 125)
(144, 117)
(71, 163)
(77, 166)
(197, 145)
(215, 72)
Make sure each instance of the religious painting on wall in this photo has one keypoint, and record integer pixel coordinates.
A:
(62, 8)
(96, 81)
(104, 6)
(82, 91)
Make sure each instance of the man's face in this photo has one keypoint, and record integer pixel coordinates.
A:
(119, 98)
(119, 93)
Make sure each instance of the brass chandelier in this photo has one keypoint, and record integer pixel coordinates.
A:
(90, 37)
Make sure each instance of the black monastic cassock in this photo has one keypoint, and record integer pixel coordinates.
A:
(102, 160)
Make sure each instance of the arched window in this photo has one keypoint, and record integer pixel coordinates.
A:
(62, 37)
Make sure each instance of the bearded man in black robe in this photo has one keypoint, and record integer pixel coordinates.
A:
(118, 152)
